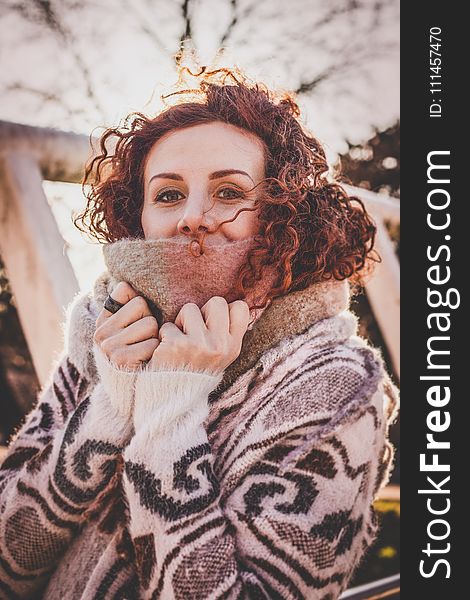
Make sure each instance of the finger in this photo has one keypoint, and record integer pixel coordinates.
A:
(133, 356)
(122, 293)
(169, 332)
(143, 329)
(190, 320)
(239, 317)
(135, 309)
(216, 314)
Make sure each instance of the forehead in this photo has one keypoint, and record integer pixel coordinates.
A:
(207, 147)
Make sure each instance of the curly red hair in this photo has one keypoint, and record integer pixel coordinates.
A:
(310, 229)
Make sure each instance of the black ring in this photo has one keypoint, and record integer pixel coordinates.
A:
(112, 305)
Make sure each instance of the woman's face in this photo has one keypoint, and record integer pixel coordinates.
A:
(197, 177)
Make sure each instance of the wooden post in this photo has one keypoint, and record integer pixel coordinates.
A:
(383, 288)
(34, 254)
(383, 292)
(60, 155)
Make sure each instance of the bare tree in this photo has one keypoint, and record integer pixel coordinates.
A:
(78, 64)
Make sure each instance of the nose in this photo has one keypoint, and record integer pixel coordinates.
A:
(195, 219)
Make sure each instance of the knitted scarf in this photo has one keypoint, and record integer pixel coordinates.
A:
(169, 272)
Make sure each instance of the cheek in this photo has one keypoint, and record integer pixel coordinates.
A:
(155, 224)
(245, 225)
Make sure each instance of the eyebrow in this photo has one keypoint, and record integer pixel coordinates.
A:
(214, 175)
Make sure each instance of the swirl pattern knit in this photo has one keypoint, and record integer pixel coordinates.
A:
(258, 483)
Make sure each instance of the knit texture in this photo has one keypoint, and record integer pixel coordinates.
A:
(159, 270)
(255, 484)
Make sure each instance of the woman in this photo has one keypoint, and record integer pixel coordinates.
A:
(214, 428)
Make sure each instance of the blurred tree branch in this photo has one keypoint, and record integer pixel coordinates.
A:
(315, 47)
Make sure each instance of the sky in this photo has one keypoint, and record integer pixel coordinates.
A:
(82, 65)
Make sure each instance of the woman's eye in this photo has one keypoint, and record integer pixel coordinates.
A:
(230, 194)
(172, 196)
(167, 196)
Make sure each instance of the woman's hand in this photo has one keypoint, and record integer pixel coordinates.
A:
(208, 339)
(129, 336)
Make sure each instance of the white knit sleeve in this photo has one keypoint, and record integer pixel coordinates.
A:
(119, 384)
(163, 397)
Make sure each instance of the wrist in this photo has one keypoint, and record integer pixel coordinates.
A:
(118, 383)
(164, 397)
(105, 421)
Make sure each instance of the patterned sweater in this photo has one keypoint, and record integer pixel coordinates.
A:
(184, 485)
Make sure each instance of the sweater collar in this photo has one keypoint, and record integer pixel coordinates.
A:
(286, 316)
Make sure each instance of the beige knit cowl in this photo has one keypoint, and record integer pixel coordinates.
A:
(170, 272)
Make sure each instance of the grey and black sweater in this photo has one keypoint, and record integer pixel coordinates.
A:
(182, 485)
